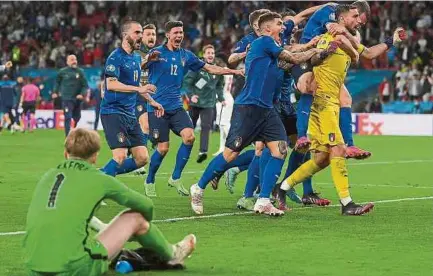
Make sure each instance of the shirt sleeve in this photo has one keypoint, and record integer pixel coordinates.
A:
(193, 62)
(84, 84)
(241, 46)
(271, 47)
(120, 193)
(188, 83)
(112, 67)
(58, 81)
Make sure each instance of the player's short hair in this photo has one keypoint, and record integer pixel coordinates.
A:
(82, 143)
(149, 27)
(363, 7)
(256, 14)
(208, 46)
(269, 16)
(127, 24)
(172, 24)
(342, 9)
(288, 12)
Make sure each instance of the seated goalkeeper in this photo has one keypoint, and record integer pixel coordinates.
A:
(57, 240)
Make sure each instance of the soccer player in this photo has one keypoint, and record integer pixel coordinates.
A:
(254, 118)
(122, 83)
(327, 140)
(203, 89)
(320, 22)
(167, 74)
(57, 240)
(30, 94)
(71, 85)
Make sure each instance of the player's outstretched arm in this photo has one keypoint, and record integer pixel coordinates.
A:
(377, 50)
(303, 15)
(297, 47)
(297, 58)
(236, 58)
(217, 70)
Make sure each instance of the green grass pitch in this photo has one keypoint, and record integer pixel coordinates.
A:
(395, 239)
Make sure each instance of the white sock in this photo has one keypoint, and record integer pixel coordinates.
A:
(285, 186)
(345, 200)
(96, 224)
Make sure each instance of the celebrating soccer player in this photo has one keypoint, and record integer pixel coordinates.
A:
(122, 83)
(167, 74)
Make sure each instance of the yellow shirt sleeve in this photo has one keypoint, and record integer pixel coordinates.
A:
(360, 49)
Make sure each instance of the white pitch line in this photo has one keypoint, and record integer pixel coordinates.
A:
(352, 185)
(349, 164)
(246, 213)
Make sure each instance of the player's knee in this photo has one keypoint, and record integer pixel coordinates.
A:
(141, 159)
(163, 148)
(321, 159)
(282, 149)
(141, 225)
(338, 151)
(119, 157)
(189, 138)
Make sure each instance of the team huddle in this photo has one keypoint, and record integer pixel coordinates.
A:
(142, 100)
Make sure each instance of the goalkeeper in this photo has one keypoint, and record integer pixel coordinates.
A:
(57, 237)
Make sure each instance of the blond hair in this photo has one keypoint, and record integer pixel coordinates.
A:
(82, 143)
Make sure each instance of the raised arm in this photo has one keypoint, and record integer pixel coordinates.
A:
(303, 15)
(217, 70)
(347, 47)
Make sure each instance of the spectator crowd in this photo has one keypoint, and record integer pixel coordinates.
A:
(41, 34)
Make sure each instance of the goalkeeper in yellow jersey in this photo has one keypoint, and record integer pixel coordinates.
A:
(327, 141)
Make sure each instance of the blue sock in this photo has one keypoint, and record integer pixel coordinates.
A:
(264, 159)
(244, 159)
(253, 179)
(346, 125)
(296, 159)
(270, 176)
(127, 166)
(155, 162)
(244, 167)
(303, 114)
(181, 159)
(111, 168)
(216, 167)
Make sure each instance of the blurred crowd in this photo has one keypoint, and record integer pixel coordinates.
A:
(41, 34)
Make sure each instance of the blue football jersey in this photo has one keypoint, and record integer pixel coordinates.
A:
(167, 75)
(261, 73)
(127, 69)
(241, 45)
(285, 88)
(316, 24)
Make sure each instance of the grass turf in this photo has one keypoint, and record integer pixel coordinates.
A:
(395, 239)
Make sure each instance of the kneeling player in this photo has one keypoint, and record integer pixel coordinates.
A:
(57, 238)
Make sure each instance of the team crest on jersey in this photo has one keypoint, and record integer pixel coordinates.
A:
(77, 76)
(111, 68)
(155, 134)
(183, 61)
(139, 108)
(121, 137)
(332, 137)
(238, 142)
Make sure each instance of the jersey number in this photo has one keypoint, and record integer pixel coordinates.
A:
(173, 71)
(54, 191)
(135, 75)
